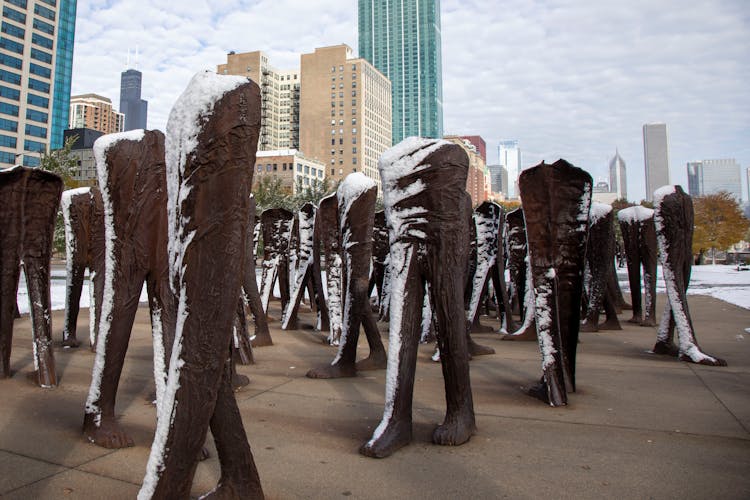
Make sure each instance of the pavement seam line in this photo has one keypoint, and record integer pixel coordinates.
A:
(695, 372)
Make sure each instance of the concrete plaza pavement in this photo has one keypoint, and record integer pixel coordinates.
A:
(640, 425)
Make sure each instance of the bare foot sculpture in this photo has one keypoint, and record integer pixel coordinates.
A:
(302, 271)
(327, 239)
(251, 295)
(673, 218)
(30, 197)
(639, 236)
(131, 172)
(212, 136)
(356, 208)
(277, 229)
(600, 257)
(556, 200)
(424, 194)
(83, 213)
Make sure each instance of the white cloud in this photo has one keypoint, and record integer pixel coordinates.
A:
(571, 79)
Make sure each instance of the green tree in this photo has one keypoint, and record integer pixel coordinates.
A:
(719, 223)
(316, 191)
(61, 162)
(269, 192)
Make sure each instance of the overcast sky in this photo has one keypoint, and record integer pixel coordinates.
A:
(567, 79)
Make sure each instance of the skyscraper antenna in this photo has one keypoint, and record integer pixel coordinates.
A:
(136, 57)
(128, 62)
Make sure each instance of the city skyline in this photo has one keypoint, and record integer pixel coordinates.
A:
(573, 93)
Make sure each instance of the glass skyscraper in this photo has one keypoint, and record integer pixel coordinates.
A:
(401, 38)
(36, 57)
(66, 30)
(135, 108)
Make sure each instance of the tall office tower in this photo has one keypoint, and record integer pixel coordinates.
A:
(279, 122)
(509, 156)
(478, 143)
(499, 179)
(617, 180)
(711, 176)
(656, 155)
(401, 38)
(36, 53)
(695, 178)
(345, 112)
(95, 112)
(131, 104)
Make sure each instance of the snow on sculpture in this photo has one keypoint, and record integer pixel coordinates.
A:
(639, 238)
(131, 173)
(327, 248)
(83, 213)
(30, 197)
(673, 218)
(356, 210)
(426, 208)
(301, 273)
(520, 278)
(556, 200)
(276, 224)
(212, 136)
(600, 260)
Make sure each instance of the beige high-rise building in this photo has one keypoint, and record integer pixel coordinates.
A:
(335, 109)
(279, 98)
(345, 112)
(95, 112)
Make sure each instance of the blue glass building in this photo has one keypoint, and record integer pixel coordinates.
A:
(401, 38)
(66, 29)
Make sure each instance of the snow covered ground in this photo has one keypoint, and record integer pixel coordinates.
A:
(721, 282)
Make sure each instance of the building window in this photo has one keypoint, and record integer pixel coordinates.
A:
(38, 85)
(44, 27)
(275, 167)
(10, 93)
(36, 100)
(333, 141)
(11, 45)
(8, 109)
(12, 30)
(333, 170)
(354, 102)
(40, 55)
(9, 125)
(354, 162)
(9, 77)
(7, 141)
(354, 151)
(341, 140)
(299, 167)
(42, 41)
(333, 69)
(14, 15)
(10, 61)
(34, 146)
(40, 70)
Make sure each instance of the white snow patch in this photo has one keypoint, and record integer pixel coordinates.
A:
(663, 191)
(353, 186)
(102, 144)
(637, 213)
(598, 211)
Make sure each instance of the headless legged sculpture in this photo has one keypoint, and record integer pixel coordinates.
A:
(425, 202)
(639, 237)
(212, 138)
(83, 213)
(131, 172)
(303, 270)
(277, 227)
(356, 206)
(30, 198)
(556, 201)
(250, 284)
(520, 277)
(673, 218)
(328, 238)
(600, 255)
